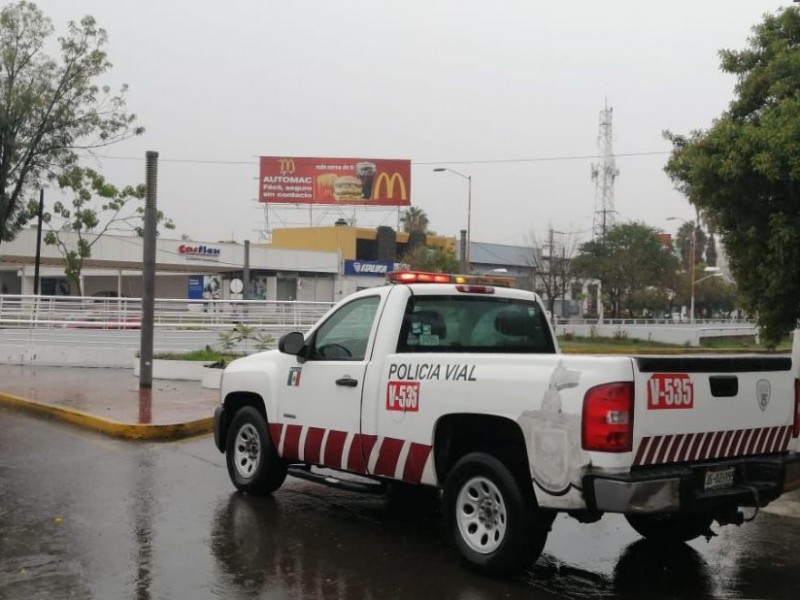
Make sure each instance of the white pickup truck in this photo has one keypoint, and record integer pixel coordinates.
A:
(457, 383)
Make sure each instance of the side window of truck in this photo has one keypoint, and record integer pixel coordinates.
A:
(474, 324)
(345, 334)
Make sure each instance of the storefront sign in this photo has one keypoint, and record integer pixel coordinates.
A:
(372, 268)
(195, 287)
(354, 181)
(201, 251)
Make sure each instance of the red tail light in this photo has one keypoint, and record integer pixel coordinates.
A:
(796, 428)
(608, 418)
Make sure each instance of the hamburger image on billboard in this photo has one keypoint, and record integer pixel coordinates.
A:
(347, 188)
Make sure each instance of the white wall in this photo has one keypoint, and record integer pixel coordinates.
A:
(678, 335)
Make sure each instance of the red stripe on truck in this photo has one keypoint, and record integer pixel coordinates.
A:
(331, 454)
(312, 451)
(685, 447)
(415, 463)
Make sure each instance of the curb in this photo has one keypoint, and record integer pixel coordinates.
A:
(128, 431)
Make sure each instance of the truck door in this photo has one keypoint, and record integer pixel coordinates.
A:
(322, 404)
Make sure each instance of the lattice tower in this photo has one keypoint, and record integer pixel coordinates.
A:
(604, 174)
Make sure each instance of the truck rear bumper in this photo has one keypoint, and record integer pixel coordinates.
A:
(757, 481)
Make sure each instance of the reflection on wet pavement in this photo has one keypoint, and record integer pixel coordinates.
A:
(82, 516)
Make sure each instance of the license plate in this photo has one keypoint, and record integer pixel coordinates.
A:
(719, 478)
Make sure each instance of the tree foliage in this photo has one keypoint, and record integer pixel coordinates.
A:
(743, 172)
(683, 244)
(96, 208)
(414, 220)
(629, 261)
(50, 108)
(433, 259)
(550, 266)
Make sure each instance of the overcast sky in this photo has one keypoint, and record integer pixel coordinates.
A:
(439, 82)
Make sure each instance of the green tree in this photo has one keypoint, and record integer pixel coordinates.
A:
(50, 108)
(96, 208)
(714, 296)
(433, 259)
(414, 220)
(628, 261)
(743, 172)
(683, 244)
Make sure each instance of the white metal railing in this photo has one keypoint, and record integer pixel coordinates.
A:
(58, 312)
(665, 321)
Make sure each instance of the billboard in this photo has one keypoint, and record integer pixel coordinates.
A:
(350, 181)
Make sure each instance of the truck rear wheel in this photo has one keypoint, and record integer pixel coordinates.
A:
(671, 527)
(253, 464)
(491, 521)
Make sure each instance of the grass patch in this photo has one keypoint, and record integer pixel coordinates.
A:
(203, 355)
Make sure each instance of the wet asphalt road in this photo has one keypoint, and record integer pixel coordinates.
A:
(83, 516)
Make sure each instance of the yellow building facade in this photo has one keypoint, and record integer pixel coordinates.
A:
(353, 243)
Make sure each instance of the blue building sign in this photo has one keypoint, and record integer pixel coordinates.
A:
(371, 268)
(195, 287)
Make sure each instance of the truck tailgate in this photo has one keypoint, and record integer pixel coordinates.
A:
(703, 408)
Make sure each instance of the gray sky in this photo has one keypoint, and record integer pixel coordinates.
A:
(218, 84)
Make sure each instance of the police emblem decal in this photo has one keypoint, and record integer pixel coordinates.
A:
(763, 393)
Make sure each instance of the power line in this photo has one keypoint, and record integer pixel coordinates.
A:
(416, 163)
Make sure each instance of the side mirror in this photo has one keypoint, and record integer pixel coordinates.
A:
(292, 343)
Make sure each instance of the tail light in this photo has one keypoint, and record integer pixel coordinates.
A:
(608, 418)
(796, 428)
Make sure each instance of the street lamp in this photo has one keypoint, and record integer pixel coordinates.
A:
(691, 264)
(469, 210)
(715, 272)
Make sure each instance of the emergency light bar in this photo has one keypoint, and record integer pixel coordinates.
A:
(461, 280)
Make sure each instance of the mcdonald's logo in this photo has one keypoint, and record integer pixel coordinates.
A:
(389, 182)
(287, 166)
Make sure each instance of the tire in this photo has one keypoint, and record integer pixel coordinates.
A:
(253, 464)
(671, 527)
(491, 519)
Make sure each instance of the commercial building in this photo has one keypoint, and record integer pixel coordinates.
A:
(184, 269)
(366, 254)
(322, 264)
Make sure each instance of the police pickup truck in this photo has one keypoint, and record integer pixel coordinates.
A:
(457, 383)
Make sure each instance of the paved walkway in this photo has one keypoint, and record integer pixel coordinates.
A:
(110, 400)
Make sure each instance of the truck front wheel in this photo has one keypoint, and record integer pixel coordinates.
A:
(491, 521)
(671, 527)
(253, 464)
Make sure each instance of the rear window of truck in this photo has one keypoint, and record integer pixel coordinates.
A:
(474, 324)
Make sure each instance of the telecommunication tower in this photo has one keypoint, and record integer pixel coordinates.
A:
(604, 174)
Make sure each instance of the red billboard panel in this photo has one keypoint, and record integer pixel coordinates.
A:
(355, 181)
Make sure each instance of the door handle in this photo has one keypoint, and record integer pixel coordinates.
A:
(347, 381)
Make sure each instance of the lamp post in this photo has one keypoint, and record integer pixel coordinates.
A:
(691, 264)
(469, 210)
(714, 272)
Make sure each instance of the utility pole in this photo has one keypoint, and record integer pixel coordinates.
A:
(550, 275)
(148, 272)
(40, 215)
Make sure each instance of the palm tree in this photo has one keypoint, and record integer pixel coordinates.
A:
(414, 220)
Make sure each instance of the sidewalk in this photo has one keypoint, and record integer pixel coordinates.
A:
(110, 400)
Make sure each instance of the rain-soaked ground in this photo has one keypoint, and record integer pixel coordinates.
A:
(83, 516)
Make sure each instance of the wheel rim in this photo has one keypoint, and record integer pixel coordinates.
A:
(481, 515)
(247, 452)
